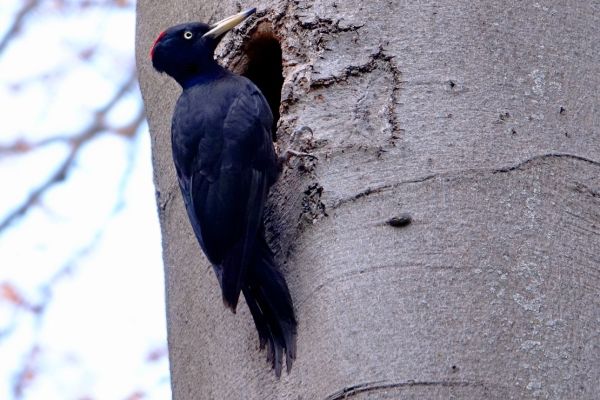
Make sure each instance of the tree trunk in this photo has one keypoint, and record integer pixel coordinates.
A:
(477, 121)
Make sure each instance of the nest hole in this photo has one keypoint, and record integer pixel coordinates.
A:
(262, 63)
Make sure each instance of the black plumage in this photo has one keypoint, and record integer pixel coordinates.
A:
(221, 137)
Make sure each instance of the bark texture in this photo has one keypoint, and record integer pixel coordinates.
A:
(481, 121)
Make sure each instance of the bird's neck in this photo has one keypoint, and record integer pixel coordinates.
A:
(213, 72)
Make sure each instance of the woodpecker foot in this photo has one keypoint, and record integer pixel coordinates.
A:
(289, 153)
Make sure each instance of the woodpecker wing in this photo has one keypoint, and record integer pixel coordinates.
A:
(228, 196)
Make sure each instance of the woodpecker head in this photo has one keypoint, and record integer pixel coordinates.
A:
(187, 51)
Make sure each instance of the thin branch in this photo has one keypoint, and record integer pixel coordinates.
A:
(17, 24)
(30, 5)
(96, 127)
(24, 146)
(27, 374)
(10, 294)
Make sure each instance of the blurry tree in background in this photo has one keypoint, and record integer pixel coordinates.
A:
(81, 291)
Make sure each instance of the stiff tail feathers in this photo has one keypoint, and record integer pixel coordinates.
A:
(270, 304)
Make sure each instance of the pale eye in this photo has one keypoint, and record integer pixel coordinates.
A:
(188, 34)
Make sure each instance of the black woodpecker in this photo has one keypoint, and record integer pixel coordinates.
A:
(225, 161)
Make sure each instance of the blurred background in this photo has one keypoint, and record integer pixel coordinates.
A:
(81, 279)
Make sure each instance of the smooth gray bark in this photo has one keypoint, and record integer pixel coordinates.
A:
(481, 120)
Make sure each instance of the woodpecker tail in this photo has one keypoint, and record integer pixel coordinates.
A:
(270, 303)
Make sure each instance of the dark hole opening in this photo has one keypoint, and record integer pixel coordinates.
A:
(262, 64)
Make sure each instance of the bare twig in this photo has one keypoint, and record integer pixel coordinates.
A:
(17, 23)
(23, 146)
(76, 142)
(24, 377)
(27, 373)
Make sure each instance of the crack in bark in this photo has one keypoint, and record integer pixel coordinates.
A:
(369, 191)
(327, 25)
(351, 391)
(354, 70)
(394, 99)
(319, 27)
(521, 165)
(546, 155)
